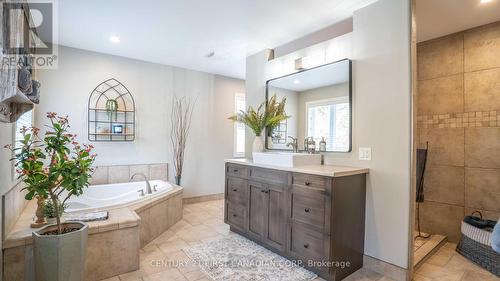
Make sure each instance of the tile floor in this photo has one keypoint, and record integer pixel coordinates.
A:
(448, 265)
(163, 258)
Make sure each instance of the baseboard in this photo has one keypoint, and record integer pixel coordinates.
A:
(203, 198)
(387, 269)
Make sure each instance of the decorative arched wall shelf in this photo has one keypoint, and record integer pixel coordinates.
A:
(111, 113)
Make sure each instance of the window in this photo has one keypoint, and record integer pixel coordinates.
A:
(25, 120)
(329, 119)
(239, 128)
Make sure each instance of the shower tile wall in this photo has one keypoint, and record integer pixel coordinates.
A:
(459, 115)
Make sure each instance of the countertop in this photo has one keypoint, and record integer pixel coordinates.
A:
(321, 170)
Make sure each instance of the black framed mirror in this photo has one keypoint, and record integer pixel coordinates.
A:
(319, 103)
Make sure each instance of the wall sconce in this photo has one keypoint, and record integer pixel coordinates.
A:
(298, 64)
(270, 54)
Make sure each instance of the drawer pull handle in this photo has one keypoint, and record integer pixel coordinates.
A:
(307, 210)
(266, 191)
(235, 171)
(234, 189)
(307, 183)
(235, 215)
(306, 246)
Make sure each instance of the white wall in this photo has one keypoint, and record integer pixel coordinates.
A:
(6, 137)
(380, 44)
(67, 89)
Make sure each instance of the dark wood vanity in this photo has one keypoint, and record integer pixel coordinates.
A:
(316, 218)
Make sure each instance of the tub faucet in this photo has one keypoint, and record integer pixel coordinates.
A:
(148, 186)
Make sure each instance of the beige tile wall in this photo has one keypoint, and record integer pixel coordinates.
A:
(459, 116)
(120, 174)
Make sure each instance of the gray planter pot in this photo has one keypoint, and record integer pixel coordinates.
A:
(60, 257)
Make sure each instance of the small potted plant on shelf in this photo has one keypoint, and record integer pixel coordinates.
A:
(112, 109)
(268, 115)
(55, 167)
(49, 211)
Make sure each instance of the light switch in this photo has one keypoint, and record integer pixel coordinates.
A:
(365, 153)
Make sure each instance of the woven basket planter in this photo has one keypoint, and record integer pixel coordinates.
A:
(474, 244)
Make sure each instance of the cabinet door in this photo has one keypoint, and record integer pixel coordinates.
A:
(276, 217)
(257, 209)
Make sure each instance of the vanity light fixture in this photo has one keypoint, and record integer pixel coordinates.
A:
(298, 64)
(114, 39)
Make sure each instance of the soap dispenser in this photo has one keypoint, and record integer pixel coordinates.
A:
(311, 145)
(322, 145)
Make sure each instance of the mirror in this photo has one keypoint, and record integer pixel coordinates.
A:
(318, 101)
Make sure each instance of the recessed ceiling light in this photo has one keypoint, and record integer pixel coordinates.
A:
(485, 1)
(114, 39)
(296, 81)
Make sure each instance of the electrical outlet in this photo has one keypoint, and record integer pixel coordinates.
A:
(365, 153)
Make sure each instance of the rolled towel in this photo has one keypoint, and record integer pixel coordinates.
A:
(495, 238)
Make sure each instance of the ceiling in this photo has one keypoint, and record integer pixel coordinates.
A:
(436, 18)
(318, 77)
(183, 32)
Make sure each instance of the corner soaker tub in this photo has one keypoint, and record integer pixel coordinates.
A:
(112, 196)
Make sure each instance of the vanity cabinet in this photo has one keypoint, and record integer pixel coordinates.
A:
(315, 220)
(267, 214)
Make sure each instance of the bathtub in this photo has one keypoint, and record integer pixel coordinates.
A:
(112, 196)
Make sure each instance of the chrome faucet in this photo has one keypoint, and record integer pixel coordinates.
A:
(294, 144)
(148, 186)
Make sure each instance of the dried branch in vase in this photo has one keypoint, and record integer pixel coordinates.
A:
(182, 112)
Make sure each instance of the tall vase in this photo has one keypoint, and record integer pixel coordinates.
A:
(178, 180)
(258, 145)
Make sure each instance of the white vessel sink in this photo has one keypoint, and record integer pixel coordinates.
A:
(286, 159)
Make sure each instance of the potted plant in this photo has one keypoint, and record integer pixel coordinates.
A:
(112, 109)
(268, 115)
(55, 167)
(49, 211)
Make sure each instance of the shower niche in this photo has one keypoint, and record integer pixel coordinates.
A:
(111, 113)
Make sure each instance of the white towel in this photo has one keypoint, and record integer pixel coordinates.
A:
(495, 237)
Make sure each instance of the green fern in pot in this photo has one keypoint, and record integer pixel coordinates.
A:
(268, 115)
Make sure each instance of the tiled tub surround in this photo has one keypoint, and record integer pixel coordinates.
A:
(13, 204)
(122, 173)
(459, 115)
(13, 201)
(113, 245)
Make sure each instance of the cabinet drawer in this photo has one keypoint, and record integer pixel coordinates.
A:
(236, 190)
(269, 176)
(308, 244)
(236, 171)
(235, 215)
(310, 181)
(309, 209)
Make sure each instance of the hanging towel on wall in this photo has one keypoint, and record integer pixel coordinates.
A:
(495, 237)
